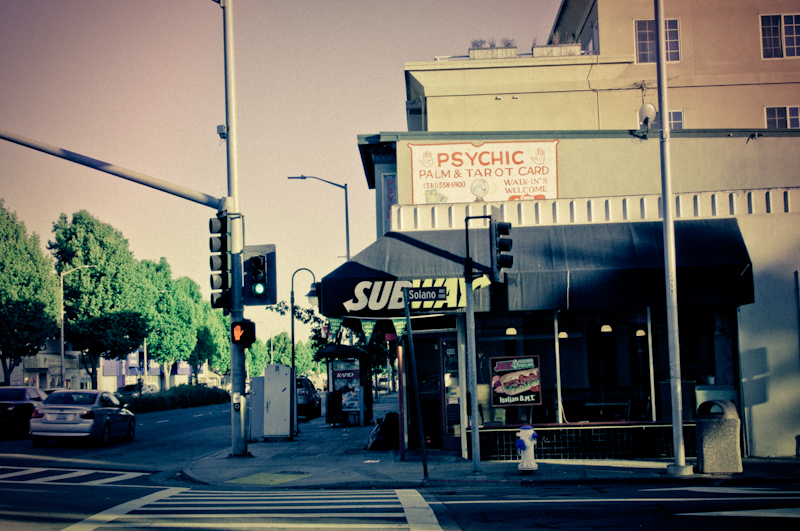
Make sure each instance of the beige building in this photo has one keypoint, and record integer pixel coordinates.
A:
(552, 140)
(725, 70)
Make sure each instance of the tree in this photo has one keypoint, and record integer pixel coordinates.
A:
(103, 301)
(111, 336)
(26, 327)
(28, 294)
(257, 357)
(174, 327)
(203, 350)
(219, 326)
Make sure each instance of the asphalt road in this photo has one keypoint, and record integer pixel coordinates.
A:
(78, 486)
(618, 506)
(166, 440)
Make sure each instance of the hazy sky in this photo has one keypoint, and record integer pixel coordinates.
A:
(140, 84)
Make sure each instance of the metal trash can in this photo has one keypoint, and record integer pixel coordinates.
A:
(718, 438)
(333, 413)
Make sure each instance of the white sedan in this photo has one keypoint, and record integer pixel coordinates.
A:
(87, 413)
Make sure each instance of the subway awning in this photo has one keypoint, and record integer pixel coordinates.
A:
(598, 265)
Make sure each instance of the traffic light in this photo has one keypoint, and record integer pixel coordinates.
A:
(500, 245)
(260, 288)
(221, 276)
(243, 332)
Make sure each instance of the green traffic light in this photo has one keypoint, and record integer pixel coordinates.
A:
(259, 288)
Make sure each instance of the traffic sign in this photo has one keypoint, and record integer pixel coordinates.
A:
(427, 294)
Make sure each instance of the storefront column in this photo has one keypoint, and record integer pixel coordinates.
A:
(559, 411)
(401, 394)
(652, 372)
(462, 382)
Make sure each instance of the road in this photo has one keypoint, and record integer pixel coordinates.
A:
(83, 487)
(165, 440)
(619, 506)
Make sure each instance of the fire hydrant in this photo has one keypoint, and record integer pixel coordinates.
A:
(525, 443)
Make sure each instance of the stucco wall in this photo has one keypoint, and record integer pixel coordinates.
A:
(602, 167)
(768, 336)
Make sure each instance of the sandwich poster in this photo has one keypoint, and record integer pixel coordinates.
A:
(515, 381)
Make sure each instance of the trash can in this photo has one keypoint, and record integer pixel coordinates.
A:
(718, 435)
(333, 413)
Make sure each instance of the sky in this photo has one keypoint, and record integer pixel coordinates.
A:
(141, 84)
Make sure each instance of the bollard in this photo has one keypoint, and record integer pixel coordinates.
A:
(525, 444)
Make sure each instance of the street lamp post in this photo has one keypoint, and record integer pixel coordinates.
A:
(61, 281)
(346, 210)
(294, 389)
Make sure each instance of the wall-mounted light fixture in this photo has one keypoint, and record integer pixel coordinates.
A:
(605, 328)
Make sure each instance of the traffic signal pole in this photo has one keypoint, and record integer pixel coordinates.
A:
(238, 369)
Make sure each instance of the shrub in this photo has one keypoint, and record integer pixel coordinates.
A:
(179, 397)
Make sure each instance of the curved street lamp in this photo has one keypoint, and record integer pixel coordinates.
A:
(346, 210)
(61, 280)
(312, 300)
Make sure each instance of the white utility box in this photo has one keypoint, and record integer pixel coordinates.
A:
(270, 399)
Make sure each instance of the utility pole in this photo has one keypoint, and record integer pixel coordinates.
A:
(238, 369)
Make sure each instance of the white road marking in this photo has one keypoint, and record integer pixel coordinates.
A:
(725, 490)
(791, 512)
(120, 477)
(419, 514)
(22, 472)
(109, 515)
(614, 500)
(49, 479)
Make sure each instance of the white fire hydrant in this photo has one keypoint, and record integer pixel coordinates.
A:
(525, 443)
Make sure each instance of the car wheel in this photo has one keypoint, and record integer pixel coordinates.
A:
(38, 441)
(131, 431)
(105, 437)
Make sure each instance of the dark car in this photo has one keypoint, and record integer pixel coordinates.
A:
(96, 415)
(16, 407)
(309, 404)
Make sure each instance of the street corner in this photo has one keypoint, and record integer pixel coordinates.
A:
(269, 478)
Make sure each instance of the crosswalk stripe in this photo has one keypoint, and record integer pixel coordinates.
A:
(68, 475)
(121, 477)
(57, 476)
(22, 472)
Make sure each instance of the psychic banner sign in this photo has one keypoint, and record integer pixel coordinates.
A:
(492, 171)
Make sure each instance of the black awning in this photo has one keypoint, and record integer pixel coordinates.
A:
(597, 265)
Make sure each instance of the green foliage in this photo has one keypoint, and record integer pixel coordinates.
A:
(101, 303)
(110, 285)
(179, 397)
(256, 357)
(28, 293)
(25, 329)
(110, 336)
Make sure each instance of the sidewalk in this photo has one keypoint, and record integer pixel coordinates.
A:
(322, 456)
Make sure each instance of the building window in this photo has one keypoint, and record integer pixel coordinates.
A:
(676, 119)
(783, 117)
(647, 41)
(780, 36)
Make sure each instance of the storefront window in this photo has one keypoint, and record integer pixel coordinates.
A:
(605, 368)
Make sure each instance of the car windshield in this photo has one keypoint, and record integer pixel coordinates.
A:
(12, 394)
(78, 399)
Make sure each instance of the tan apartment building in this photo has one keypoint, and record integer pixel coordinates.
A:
(551, 139)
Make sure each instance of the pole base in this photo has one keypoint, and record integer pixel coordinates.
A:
(678, 470)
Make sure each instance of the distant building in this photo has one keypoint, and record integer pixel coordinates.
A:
(552, 139)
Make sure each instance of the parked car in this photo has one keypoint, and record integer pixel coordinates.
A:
(129, 390)
(16, 407)
(96, 415)
(309, 403)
